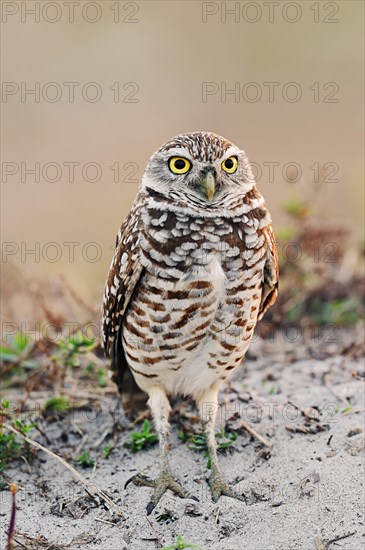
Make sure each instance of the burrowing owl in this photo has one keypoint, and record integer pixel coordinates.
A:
(195, 267)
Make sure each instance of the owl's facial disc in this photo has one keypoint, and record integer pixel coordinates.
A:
(199, 169)
(203, 181)
(206, 184)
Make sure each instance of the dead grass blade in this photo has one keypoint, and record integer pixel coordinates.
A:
(90, 488)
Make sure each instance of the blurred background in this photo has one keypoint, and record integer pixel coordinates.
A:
(112, 81)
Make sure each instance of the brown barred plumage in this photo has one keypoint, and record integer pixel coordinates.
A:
(195, 267)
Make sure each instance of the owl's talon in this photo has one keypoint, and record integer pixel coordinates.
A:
(140, 480)
(219, 487)
(164, 481)
(150, 507)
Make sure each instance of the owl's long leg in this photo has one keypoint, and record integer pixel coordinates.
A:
(208, 408)
(160, 408)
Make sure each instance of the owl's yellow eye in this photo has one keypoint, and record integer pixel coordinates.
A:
(230, 165)
(179, 165)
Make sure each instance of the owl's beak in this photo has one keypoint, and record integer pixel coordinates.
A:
(208, 186)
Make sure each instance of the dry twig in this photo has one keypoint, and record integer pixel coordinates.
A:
(256, 435)
(90, 488)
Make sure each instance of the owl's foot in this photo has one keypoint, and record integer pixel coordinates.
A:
(164, 481)
(219, 486)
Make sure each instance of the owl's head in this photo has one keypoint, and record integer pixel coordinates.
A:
(201, 169)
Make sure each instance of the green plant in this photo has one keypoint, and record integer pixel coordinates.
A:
(180, 544)
(84, 460)
(347, 410)
(22, 426)
(285, 234)
(340, 312)
(166, 516)
(142, 439)
(107, 451)
(70, 349)
(343, 311)
(10, 446)
(297, 208)
(56, 404)
(102, 377)
(17, 350)
(198, 442)
(4, 405)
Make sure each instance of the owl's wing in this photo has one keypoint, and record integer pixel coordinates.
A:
(124, 274)
(270, 280)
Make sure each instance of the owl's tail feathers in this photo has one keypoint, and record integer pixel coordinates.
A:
(134, 400)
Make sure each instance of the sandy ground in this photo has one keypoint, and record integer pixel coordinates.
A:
(307, 492)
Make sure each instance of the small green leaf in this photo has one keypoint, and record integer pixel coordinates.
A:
(21, 340)
(197, 442)
(102, 377)
(180, 544)
(166, 516)
(84, 460)
(23, 427)
(140, 440)
(57, 404)
(107, 450)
